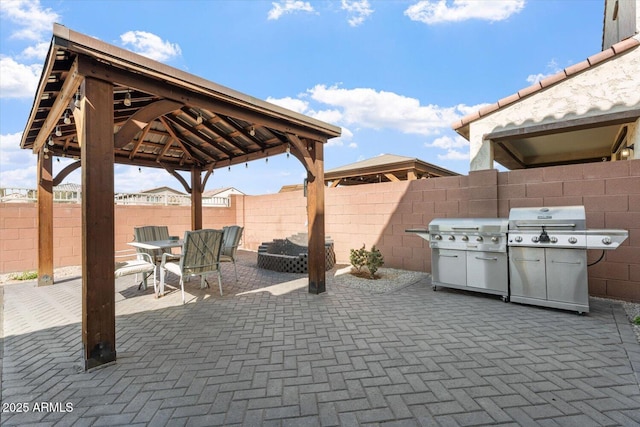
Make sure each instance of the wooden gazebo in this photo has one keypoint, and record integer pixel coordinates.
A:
(384, 168)
(101, 105)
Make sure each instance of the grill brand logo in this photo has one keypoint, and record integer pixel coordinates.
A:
(545, 216)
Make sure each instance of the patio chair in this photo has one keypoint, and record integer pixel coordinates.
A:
(200, 255)
(130, 261)
(150, 233)
(230, 241)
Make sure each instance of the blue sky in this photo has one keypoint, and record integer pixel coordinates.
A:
(394, 75)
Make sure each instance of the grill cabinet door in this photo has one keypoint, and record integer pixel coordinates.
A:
(567, 276)
(449, 267)
(527, 272)
(487, 270)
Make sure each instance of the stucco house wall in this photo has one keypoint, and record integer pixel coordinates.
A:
(583, 95)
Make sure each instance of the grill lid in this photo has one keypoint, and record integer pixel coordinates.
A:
(469, 225)
(552, 218)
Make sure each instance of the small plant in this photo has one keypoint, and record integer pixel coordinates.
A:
(25, 275)
(373, 260)
(636, 320)
(358, 258)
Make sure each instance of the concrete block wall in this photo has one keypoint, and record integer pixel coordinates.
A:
(379, 214)
(19, 240)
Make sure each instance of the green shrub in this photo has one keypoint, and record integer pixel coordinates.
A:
(373, 259)
(358, 258)
(26, 275)
(636, 320)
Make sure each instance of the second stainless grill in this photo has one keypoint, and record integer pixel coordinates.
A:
(548, 255)
(470, 254)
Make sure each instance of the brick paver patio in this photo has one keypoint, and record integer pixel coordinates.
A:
(269, 353)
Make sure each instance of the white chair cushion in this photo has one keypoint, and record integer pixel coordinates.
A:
(173, 267)
(135, 266)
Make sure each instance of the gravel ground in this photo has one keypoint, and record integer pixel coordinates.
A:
(391, 279)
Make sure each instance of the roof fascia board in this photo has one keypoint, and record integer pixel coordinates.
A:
(46, 71)
(565, 126)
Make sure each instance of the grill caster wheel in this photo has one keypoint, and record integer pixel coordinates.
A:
(434, 287)
(505, 299)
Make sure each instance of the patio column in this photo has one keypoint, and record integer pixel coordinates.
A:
(45, 219)
(196, 198)
(315, 211)
(95, 136)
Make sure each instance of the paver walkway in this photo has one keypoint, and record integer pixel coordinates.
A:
(268, 353)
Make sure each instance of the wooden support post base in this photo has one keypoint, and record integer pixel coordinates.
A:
(102, 353)
(317, 287)
(45, 280)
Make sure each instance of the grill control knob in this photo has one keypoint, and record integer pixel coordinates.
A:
(437, 237)
(479, 239)
(553, 240)
(495, 239)
(518, 239)
(452, 237)
(606, 240)
(465, 238)
(573, 240)
(535, 239)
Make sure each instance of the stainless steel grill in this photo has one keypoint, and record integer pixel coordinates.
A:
(548, 255)
(538, 256)
(468, 253)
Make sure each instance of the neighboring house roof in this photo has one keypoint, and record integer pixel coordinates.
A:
(162, 190)
(69, 186)
(384, 168)
(291, 187)
(214, 192)
(461, 126)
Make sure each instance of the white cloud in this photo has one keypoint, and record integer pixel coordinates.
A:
(437, 11)
(288, 6)
(353, 145)
(18, 80)
(457, 148)
(359, 10)
(454, 155)
(150, 45)
(22, 162)
(37, 51)
(446, 142)
(10, 148)
(32, 20)
(297, 105)
(373, 109)
(345, 137)
(552, 68)
(302, 107)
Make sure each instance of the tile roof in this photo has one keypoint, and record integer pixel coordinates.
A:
(616, 49)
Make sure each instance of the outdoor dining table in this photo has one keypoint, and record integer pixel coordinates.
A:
(158, 244)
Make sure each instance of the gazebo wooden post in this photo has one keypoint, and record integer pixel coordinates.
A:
(315, 211)
(98, 242)
(196, 198)
(45, 220)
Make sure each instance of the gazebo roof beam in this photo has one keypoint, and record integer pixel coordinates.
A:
(221, 135)
(166, 89)
(185, 142)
